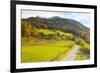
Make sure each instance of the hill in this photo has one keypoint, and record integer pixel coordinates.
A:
(57, 23)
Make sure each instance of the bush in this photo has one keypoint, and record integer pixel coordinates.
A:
(85, 49)
(56, 38)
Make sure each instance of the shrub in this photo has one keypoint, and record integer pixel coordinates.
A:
(56, 38)
(85, 49)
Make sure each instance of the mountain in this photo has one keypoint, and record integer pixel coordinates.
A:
(58, 23)
(65, 24)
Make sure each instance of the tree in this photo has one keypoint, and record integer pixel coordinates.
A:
(26, 28)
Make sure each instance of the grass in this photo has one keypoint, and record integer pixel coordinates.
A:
(47, 32)
(80, 56)
(46, 51)
(40, 49)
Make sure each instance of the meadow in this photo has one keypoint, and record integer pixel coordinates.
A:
(45, 50)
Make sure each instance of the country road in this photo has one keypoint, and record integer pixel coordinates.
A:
(72, 55)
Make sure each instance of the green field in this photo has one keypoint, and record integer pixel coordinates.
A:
(43, 51)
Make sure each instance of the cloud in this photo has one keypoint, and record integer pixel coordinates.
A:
(84, 18)
(46, 14)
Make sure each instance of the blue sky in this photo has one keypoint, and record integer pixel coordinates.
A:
(83, 18)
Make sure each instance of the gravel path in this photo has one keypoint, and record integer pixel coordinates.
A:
(72, 55)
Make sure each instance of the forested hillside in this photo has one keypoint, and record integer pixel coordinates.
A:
(56, 23)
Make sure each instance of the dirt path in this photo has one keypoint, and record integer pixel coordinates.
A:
(72, 55)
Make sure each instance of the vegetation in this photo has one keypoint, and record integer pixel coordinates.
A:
(52, 39)
(45, 51)
(80, 57)
(84, 50)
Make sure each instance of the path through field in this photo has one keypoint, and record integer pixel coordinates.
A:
(72, 55)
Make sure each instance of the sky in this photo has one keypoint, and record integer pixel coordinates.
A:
(82, 17)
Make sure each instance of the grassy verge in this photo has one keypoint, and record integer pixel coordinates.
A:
(80, 56)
